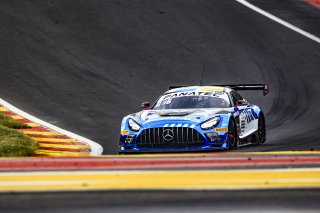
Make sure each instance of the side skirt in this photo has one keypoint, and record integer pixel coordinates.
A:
(249, 140)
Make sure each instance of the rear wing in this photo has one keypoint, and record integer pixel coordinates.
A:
(264, 87)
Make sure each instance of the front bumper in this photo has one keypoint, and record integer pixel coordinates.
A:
(135, 145)
(201, 149)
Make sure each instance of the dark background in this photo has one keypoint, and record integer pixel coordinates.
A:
(83, 65)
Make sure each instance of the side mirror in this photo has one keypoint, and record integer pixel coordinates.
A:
(241, 103)
(145, 105)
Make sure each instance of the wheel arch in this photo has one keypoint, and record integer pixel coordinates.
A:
(264, 124)
(261, 113)
(236, 122)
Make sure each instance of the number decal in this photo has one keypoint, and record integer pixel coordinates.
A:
(248, 114)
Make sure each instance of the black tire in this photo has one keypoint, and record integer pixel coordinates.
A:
(261, 130)
(232, 135)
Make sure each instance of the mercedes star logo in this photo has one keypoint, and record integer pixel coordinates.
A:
(168, 134)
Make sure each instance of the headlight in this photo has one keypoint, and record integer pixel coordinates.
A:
(210, 123)
(134, 126)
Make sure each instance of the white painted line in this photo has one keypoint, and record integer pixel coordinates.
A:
(280, 21)
(96, 149)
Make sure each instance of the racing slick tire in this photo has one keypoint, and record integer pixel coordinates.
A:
(261, 136)
(232, 135)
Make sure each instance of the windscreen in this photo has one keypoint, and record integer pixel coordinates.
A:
(189, 100)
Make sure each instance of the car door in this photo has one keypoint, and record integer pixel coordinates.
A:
(247, 121)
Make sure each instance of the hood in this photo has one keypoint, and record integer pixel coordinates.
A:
(196, 115)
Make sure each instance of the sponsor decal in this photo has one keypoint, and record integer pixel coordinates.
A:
(124, 132)
(211, 89)
(221, 129)
(248, 115)
(169, 97)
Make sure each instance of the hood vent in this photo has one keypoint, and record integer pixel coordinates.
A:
(176, 113)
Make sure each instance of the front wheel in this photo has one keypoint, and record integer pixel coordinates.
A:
(232, 135)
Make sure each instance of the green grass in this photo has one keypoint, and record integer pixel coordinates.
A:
(11, 123)
(12, 142)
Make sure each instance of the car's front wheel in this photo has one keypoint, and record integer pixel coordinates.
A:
(232, 135)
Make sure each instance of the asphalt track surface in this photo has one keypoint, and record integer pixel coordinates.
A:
(83, 65)
(164, 201)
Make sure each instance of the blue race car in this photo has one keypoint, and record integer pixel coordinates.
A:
(195, 118)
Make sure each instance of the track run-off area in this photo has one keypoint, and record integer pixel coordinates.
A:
(160, 180)
(205, 171)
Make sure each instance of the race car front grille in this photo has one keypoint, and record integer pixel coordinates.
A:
(170, 137)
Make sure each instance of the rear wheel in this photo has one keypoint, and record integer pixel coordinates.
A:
(261, 130)
(232, 135)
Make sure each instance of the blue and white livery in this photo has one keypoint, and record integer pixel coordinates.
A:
(196, 118)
